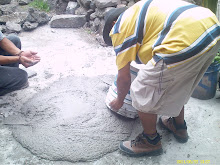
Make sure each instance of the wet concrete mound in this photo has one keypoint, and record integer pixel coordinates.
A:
(69, 121)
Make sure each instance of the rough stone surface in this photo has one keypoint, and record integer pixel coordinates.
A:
(88, 14)
(105, 3)
(27, 26)
(80, 11)
(16, 17)
(4, 2)
(52, 4)
(61, 6)
(12, 27)
(37, 16)
(3, 28)
(84, 3)
(18, 14)
(67, 21)
(92, 5)
(8, 9)
(71, 7)
(95, 24)
(24, 2)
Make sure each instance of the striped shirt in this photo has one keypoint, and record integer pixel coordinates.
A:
(1, 36)
(173, 30)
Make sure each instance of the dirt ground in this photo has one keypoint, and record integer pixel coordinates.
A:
(76, 53)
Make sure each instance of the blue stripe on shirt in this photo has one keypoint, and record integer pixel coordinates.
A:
(171, 19)
(117, 24)
(139, 33)
(196, 49)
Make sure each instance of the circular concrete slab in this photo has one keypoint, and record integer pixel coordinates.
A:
(69, 121)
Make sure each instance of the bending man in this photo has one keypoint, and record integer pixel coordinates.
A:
(177, 41)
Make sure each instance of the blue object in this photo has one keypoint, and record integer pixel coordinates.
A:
(206, 88)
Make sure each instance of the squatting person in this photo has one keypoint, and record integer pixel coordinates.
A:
(11, 76)
(177, 42)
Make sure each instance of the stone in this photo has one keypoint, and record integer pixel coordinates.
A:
(12, 27)
(71, 7)
(52, 4)
(92, 16)
(8, 9)
(106, 3)
(42, 18)
(89, 12)
(67, 21)
(101, 26)
(27, 26)
(95, 24)
(131, 3)
(17, 17)
(80, 11)
(84, 3)
(4, 2)
(121, 5)
(124, 2)
(37, 16)
(92, 5)
(61, 6)
(100, 12)
(3, 28)
(23, 2)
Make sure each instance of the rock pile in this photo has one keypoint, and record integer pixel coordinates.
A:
(16, 16)
(88, 13)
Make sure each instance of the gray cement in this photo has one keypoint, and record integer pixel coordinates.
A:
(69, 121)
(61, 119)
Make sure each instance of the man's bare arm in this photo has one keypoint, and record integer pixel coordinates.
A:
(9, 47)
(123, 86)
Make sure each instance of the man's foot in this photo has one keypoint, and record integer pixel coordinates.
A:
(142, 145)
(179, 131)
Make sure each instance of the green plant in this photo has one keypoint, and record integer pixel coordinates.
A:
(40, 4)
(211, 4)
(217, 57)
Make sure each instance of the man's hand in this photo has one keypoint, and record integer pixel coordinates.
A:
(27, 62)
(31, 55)
(123, 86)
(116, 104)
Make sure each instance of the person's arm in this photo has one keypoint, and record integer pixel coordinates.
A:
(9, 47)
(123, 86)
(25, 61)
(8, 59)
(27, 58)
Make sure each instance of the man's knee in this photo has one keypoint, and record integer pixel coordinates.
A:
(15, 40)
(14, 79)
(22, 79)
